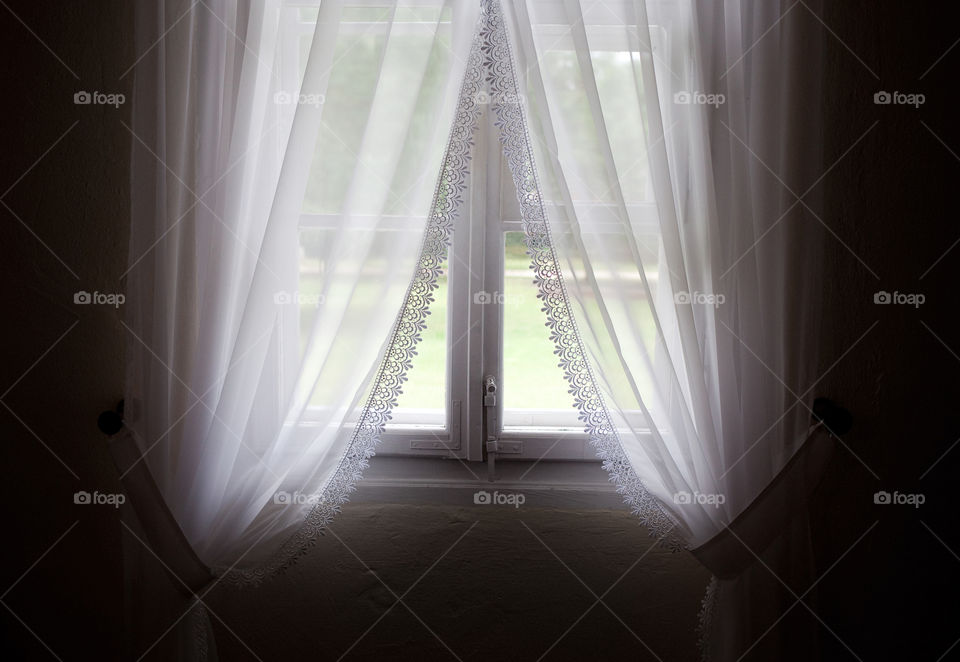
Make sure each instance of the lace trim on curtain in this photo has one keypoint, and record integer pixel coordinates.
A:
(515, 138)
(490, 53)
(708, 607)
(411, 321)
(200, 627)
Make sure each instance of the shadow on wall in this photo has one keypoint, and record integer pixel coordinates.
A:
(892, 204)
(64, 230)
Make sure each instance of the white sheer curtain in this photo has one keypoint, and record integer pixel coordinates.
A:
(655, 146)
(250, 367)
(669, 139)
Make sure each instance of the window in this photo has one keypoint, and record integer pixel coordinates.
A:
(486, 319)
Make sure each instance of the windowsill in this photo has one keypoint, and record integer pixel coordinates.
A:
(449, 472)
(450, 482)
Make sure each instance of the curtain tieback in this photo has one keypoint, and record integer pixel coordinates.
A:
(732, 550)
(164, 534)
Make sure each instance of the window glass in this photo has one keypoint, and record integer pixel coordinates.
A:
(532, 378)
(427, 377)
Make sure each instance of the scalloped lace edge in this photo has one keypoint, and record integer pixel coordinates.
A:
(708, 607)
(515, 138)
(200, 626)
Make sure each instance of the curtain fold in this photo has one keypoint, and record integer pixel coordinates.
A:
(673, 144)
(251, 369)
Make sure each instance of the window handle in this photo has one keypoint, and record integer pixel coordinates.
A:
(490, 418)
(489, 391)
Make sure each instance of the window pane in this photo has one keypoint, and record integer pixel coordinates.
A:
(426, 385)
(383, 58)
(531, 377)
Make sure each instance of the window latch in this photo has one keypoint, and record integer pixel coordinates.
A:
(490, 420)
(489, 391)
